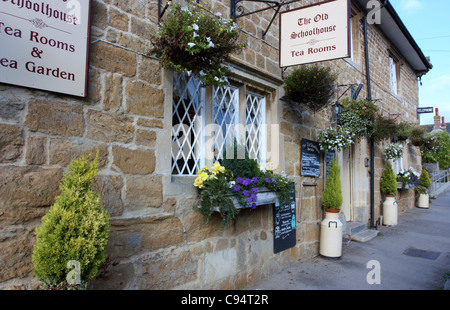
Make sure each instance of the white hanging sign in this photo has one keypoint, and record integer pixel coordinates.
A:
(44, 44)
(315, 33)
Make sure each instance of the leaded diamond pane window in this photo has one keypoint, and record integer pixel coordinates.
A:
(255, 126)
(226, 117)
(206, 120)
(187, 125)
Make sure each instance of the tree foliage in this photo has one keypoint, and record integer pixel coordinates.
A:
(388, 182)
(76, 228)
(332, 195)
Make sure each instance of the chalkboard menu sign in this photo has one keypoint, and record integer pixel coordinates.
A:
(284, 224)
(310, 161)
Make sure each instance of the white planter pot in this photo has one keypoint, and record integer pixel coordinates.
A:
(390, 211)
(331, 235)
(423, 201)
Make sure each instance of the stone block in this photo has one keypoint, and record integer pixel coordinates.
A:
(63, 151)
(109, 127)
(112, 100)
(26, 192)
(146, 137)
(55, 118)
(144, 100)
(137, 235)
(110, 189)
(168, 271)
(36, 151)
(11, 143)
(16, 248)
(11, 108)
(143, 192)
(113, 59)
(136, 161)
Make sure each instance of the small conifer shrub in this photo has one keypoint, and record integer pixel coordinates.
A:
(425, 178)
(76, 228)
(332, 195)
(388, 182)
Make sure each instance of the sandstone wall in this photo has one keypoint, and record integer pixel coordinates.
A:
(157, 240)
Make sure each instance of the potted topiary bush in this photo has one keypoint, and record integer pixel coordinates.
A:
(425, 182)
(331, 226)
(70, 244)
(388, 187)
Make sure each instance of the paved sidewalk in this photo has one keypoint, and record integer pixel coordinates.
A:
(414, 255)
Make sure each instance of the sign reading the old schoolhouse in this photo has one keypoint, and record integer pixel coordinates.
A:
(315, 33)
(44, 44)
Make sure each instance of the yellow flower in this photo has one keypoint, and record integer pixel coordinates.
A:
(203, 176)
(198, 182)
(217, 167)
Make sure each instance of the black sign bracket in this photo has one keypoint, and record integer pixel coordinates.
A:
(237, 7)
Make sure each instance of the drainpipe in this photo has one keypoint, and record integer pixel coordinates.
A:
(372, 144)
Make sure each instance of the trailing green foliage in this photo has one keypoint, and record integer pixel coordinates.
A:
(311, 86)
(240, 167)
(76, 228)
(332, 195)
(190, 39)
(358, 116)
(388, 182)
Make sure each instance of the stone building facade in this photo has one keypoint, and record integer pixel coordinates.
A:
(158, 240)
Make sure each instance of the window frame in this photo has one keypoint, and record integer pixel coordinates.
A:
(207, 145)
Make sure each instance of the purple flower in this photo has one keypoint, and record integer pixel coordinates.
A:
(253, 205)
(255, 180)
(274, 180)
(247, 182)
(246, 193)
(239, 180)
(249, 199)
(236, 188)
(267, 180)
(254, 197)
(255, 189)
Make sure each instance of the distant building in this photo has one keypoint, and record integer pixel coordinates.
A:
(439, 124)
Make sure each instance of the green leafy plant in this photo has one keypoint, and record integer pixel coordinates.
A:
(384, 128)
(191, 39)
(217, 186)
(388, 182)
(358, 117)
(332, 195)
(425, 178)
(437, 150)
(311, 86)
(403, 131)
(76, 228)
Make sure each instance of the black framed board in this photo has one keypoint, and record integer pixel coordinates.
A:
(284, 224)
(310, 161)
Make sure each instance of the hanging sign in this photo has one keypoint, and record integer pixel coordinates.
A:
(315, 33)
(44, 44)
(425, 110)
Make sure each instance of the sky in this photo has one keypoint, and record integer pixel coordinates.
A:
(427, 21)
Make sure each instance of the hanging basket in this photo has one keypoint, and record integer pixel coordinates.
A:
(193, 40)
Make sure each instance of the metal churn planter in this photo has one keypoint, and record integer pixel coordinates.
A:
(331, 235)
